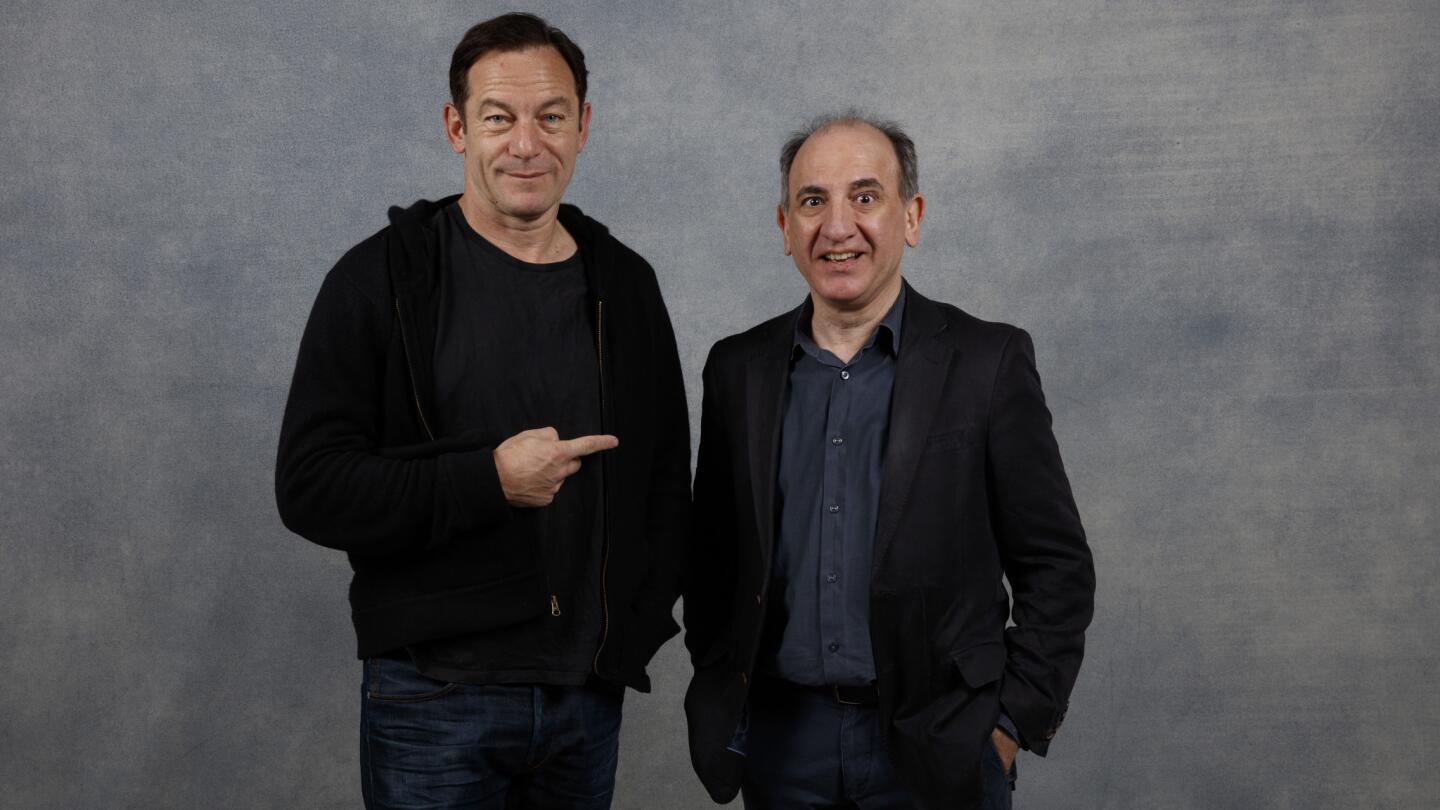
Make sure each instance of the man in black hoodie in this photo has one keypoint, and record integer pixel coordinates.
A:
(487, 415)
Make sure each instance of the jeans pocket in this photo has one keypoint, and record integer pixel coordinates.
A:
(398, 680)
(998, 782)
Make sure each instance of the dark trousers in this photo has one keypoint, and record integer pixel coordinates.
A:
(431, 744)
(805, 751)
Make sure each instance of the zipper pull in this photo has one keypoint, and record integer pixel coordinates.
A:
(554, 605)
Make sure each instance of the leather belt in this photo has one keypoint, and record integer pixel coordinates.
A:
(866, 695)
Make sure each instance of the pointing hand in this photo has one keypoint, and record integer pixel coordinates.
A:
(534, 463)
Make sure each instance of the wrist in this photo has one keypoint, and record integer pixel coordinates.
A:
(1007, 726)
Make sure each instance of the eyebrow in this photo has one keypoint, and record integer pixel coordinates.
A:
(862, 183)
(553, 101)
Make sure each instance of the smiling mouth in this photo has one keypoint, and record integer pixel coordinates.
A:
(840, 257)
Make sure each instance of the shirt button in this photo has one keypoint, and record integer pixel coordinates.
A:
(844, 375)
(834, 646)
(834, 507)
(831, 577)
(837, 441)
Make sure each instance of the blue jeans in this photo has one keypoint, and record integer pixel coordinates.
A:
(805, 750)
(431, 744)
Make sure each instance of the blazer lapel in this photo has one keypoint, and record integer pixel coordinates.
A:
(920, 375)
(766, 377)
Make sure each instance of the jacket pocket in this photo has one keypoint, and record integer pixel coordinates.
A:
(949, 440)
(980, 665)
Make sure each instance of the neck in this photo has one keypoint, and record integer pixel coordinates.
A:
(843, 331)
(538, 241)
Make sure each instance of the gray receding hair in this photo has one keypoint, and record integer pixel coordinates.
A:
(904, 149)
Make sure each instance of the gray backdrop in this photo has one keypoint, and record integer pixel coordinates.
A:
(1218, 219)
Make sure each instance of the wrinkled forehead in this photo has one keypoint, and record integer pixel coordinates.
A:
(528, 74)
(841, 154)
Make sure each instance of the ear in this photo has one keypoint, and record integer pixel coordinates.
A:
(784, 234)
(455, 128)
(914, 212)
(584, 126)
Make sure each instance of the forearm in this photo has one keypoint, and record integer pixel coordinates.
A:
(335, 483)
(363, 501)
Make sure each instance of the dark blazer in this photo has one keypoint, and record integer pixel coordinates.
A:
(972, 487)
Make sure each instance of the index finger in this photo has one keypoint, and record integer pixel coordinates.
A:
(585, 445)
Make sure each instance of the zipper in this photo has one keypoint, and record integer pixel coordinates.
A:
(545, 549)
(604, 488)
(410, 365)
(420, 412)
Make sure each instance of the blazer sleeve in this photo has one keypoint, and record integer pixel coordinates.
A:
(1042, 548)
(334, 483)
(712, 568)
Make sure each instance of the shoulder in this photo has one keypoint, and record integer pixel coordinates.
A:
(621, 271)
(768, 336)
(361, 269)
(964, 331)
(592, 233)
(366, 267)
(620, 252)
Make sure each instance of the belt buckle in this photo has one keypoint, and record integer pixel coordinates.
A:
(835, 687)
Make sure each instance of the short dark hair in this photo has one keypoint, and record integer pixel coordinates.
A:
(511, 32)
(903, 145)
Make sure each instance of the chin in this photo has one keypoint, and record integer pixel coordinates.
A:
(844, 292)
(528, 208)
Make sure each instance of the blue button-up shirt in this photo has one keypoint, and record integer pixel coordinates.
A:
(831, 449)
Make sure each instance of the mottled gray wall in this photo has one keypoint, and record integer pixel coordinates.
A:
(1218, 219)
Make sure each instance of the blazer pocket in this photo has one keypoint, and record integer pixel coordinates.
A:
(949, 440)
(980, 665)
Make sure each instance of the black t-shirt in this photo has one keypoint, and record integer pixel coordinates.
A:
(515, 350)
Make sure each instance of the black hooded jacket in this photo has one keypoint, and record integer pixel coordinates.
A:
(421, 516)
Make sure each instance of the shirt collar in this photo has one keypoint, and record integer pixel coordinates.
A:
(889, 327)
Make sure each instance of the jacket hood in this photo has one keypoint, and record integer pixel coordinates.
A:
(419, 211)
(412, 254)
(580, 226)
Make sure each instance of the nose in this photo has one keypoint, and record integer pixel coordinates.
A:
(839, 223)
(525, 143)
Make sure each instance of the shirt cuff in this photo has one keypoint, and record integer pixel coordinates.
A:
(1007, 725)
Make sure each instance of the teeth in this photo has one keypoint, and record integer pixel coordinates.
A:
(840, 257)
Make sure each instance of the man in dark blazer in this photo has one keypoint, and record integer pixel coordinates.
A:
(870, 465)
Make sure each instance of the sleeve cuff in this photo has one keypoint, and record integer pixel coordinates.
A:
(1007, 725)
(473, 485)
